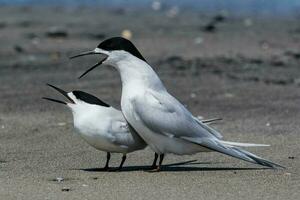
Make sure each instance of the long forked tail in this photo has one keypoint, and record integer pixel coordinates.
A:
(216, 145)
(239, 144)
(258, 160)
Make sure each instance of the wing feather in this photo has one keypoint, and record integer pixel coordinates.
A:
(125, 136)
(212, 131)
(163, 114)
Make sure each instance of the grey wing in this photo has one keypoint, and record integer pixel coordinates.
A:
(120, 132)
(124, 136)
(163, 114)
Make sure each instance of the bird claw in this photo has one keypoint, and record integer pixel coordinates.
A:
(106, 168)
(153, 166)
(155, 169)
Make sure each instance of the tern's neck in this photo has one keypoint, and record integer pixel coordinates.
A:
(137, 72)
(84, 110)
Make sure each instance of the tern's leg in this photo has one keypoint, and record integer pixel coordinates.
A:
(158, 168)
(121, 164)
(153, 166)
(107, 161)
(161, 158)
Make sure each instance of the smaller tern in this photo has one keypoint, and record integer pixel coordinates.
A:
(102, 126)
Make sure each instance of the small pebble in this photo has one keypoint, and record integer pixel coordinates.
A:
(198, 40)
(297, 81)
(31, 58)
(61, 124)
(127, 34)
(265, 45)
(268, 124)
(210, 27)
(31, 35)
(35, 130)
(229, 95)
(84, 185)
(248, 22)
(277, 62)
(18, 49)
(59, 179)
(295, 55)
(156, 5)
(55, 56)
(193, 95)
(219, 18)
(65, 189)
(36, 41)
(173, 12)
(56, 32)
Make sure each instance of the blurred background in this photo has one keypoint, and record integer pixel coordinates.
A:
(235, 59)
(241, 40)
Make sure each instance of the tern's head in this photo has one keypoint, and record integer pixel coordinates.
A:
(112, 51)
(78, 100)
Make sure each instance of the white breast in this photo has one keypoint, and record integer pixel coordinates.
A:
(106, 131)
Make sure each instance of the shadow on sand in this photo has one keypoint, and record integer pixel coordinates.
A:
(175, 167)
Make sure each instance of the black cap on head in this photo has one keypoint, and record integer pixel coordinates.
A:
(119, 43)
(88, 98)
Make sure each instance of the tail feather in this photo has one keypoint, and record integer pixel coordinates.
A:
(259, 160)
(207, 128)
(216, 145)
(239, 144)
(212, 120)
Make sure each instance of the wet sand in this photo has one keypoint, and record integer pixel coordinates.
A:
(247, 74)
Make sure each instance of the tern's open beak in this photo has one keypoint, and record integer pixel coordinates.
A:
(62, 92)
(54, 100)
(94, 66)
(85, 54)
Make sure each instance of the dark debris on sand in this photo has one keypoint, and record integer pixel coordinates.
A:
(237, 68)
(57, 32)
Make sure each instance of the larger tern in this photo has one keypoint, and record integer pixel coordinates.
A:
(158, 117)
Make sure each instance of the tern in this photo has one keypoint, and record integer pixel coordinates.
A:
(102, 126)
(158, 117)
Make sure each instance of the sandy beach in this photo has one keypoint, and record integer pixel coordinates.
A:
(246, 70)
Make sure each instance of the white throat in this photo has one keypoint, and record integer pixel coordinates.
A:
(138, 72)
